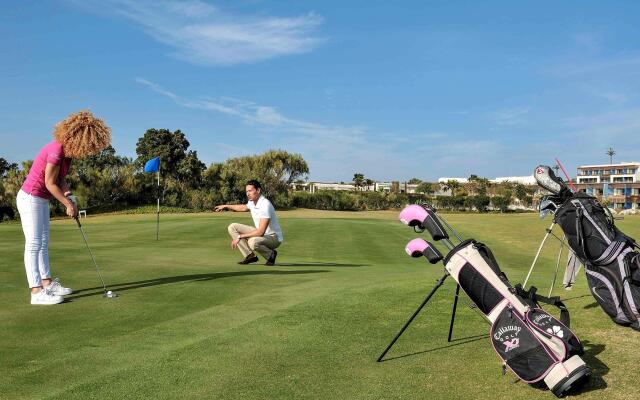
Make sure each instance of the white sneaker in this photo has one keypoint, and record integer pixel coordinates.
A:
(57, 288)
(45, 297)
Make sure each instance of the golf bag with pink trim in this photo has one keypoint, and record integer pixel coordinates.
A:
(611, 264)
(535, 345)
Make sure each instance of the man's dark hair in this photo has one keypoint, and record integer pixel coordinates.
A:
(256, 185)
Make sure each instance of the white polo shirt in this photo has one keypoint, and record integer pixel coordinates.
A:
(264, 209)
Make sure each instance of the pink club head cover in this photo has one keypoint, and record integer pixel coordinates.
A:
(416, 247)
(413, 215)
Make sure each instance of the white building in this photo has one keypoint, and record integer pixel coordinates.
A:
(459, 180)
(524, 180)
(619, 183)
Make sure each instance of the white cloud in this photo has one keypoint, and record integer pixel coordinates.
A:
(590, 41)
(510, 116)
(589, 136)
(336, 152)
(265, 117)
(621, 125)
(610, 93)
(333, 151)
(202, 34)
(611, 66)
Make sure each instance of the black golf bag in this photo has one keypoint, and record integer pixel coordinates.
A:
(611, 264)
(531, 342)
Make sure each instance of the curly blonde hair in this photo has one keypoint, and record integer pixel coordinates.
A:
(81, 134)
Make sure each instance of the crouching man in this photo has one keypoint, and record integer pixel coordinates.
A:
(265, 237)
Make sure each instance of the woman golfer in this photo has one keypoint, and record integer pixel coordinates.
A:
(80, 135)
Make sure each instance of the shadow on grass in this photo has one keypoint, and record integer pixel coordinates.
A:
(121, 287)
(598, 368)
(591, 350)
(592, 305)
(576, 297)
(318, 264)
(454, 343)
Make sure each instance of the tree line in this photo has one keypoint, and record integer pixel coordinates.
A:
(110, 182)
(477, 194)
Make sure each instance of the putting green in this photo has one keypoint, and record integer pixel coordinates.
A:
(191, 323)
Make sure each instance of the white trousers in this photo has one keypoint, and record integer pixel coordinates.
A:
(34, 214)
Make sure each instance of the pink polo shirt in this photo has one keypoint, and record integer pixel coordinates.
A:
(50, 153)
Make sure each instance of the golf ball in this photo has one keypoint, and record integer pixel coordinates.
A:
(109, 293)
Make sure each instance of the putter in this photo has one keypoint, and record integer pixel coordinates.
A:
(107, 293)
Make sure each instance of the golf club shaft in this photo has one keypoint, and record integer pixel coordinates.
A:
(449, 227)
(442, 220)
(91, 254)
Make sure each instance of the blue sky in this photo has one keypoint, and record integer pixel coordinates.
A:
(391, 89)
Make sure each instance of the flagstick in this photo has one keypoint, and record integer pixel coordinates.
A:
(158, 209)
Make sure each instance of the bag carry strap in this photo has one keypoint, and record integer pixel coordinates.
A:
(615, 246)
(580, 233)
(531, 294)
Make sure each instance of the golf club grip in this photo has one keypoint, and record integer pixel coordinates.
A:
(77, 218)
(432, 255)
(435, 228)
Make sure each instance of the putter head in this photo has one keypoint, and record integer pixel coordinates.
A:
(420, 247)
(421, 219)
(547, 179)
(110, 294)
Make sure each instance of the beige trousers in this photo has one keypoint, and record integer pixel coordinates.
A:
(264, 245)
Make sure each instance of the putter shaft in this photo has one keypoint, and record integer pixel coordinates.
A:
(91, 254)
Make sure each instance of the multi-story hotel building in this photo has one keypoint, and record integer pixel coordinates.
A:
(618, 183)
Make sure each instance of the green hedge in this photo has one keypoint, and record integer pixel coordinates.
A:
(352, 201)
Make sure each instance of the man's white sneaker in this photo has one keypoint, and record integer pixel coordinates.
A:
(57, 288)
(45, 297)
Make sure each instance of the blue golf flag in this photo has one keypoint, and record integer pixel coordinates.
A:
(152, 165)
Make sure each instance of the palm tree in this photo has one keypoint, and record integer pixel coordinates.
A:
(453, 185)
(368, 182)
(358, 180)
(611, 152)
(470, 187)
(425, 187)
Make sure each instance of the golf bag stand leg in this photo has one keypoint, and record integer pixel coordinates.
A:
(439, 283)
(535, 259)
(555, 275)
(453, 312)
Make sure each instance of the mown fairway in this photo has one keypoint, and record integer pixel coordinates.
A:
(190, 323)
